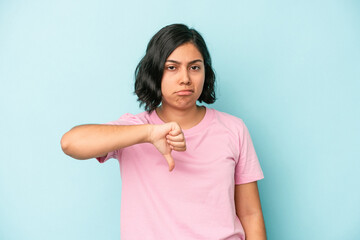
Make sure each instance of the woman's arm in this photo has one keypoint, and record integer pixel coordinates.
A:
(93, 140)
(248, 209)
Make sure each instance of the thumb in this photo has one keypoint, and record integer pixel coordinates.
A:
(170, 161)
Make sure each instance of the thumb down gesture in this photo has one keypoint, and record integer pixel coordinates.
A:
(167, 137)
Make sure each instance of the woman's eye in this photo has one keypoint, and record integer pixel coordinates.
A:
(195, 67)
(171, 67)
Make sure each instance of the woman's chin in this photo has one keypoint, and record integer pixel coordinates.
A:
(182, 106)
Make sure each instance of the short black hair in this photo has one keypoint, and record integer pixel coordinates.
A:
(149, 71)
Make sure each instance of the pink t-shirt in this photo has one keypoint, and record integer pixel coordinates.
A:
(196, 199)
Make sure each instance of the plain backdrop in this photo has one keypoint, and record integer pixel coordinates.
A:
(289, 69)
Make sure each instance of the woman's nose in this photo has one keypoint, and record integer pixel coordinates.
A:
(185, 78)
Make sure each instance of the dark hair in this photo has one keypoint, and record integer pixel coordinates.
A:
(149, 71)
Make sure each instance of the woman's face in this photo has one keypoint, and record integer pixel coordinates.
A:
(183, 77)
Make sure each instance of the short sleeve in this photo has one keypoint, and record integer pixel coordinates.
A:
(247, 168)
(126, 119)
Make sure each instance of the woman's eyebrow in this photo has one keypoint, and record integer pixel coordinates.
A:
(177, 62)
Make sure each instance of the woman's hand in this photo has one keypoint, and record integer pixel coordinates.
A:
(167, 137)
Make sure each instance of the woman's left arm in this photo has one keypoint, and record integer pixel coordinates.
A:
(248, 209)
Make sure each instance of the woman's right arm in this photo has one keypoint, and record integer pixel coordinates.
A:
(95, 140)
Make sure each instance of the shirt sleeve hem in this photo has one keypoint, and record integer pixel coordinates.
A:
(104, 158)
(244, 180)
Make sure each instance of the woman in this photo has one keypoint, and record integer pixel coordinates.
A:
(210, 190)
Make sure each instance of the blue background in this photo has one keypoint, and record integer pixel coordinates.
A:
(289, 69)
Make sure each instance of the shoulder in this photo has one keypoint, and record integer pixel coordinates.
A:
(131, 119)
(229, 124)
(228, 120)
(235, 127)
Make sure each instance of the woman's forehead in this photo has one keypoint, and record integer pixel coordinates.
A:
(186, 52)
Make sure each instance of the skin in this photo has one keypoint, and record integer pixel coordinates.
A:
(248, 209)
(181, 86)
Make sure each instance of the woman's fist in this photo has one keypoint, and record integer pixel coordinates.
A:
(167, 137)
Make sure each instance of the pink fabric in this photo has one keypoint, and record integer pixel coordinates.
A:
(196, 199)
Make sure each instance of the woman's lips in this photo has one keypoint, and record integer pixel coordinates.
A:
(184, 92)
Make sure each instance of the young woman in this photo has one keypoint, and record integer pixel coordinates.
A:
(210, 190)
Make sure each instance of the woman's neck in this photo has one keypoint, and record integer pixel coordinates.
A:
(185, 118)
